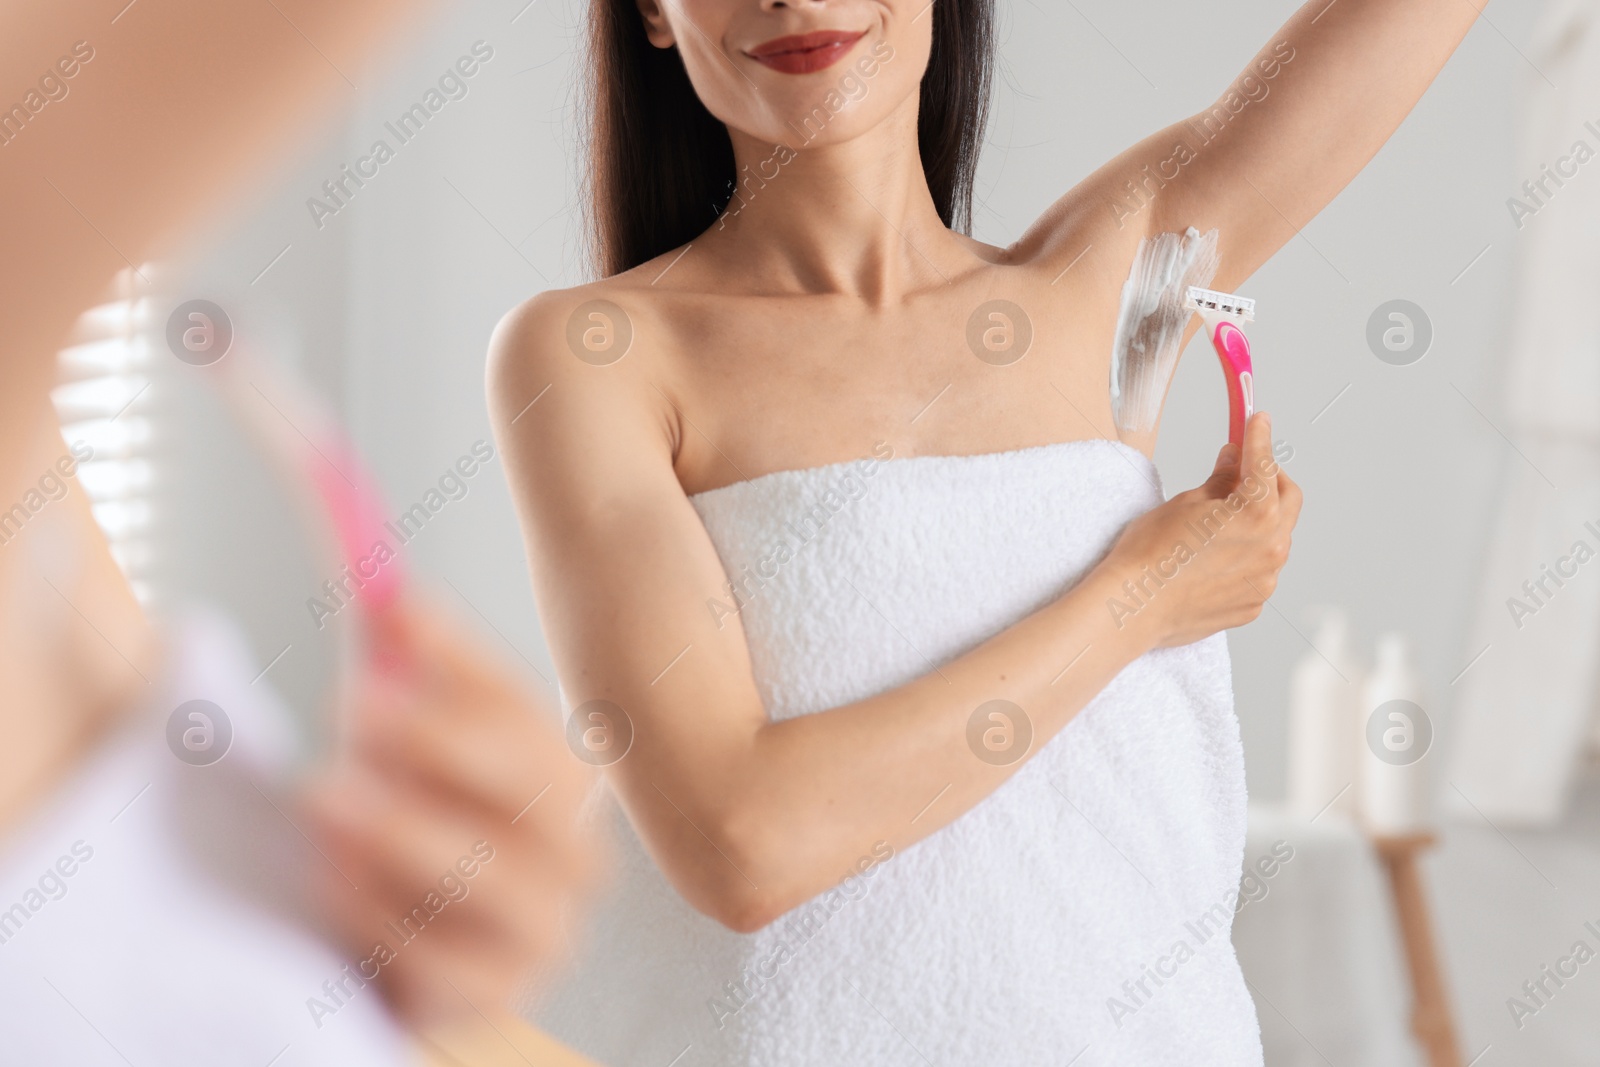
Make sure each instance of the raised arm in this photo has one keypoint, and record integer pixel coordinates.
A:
(1280, 142)
(749, 817)
(1274, 151)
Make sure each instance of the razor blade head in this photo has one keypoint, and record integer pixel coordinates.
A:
(1199, 299)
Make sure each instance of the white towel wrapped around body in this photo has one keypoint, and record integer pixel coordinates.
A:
(1081, 910)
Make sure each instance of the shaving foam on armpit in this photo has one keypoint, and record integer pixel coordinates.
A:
(1151, 321)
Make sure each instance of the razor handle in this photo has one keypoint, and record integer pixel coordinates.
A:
(1233, 349)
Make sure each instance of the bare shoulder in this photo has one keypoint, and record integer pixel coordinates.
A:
(588, 340)
(533, 338)
(576, 384)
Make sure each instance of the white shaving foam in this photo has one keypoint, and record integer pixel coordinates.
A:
(1151, 321)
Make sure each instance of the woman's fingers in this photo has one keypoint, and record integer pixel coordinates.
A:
(1225, 473)
(508, 768)
(1290, 498)
(456, 804)
(431, 882)
(432, 650)
(1236, 531)
(496, 753)
(454, 719)
(403, 851)
(1258, 465)
(1241, 470)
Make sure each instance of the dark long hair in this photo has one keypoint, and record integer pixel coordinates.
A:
(660, 166)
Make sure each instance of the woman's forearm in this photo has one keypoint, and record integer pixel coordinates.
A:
(797, 806)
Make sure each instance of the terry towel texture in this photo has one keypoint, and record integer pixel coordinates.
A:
(1083, 908)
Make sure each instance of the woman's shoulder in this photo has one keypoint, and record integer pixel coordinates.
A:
(537, 320)
(594, 322)
(583, 345)
(601, 315)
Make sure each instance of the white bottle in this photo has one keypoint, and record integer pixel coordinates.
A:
(1394, 736)
(1324, 699)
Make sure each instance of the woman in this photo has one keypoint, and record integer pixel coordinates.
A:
(847, 569)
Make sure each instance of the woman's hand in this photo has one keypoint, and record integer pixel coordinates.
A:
(1209, 558)
(453, 809)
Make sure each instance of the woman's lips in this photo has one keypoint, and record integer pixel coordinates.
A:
(805, 53)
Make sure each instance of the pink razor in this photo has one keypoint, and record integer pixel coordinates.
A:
(1223, 313)
(318, 459)
(352, 503)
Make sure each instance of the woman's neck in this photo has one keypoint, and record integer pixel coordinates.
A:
(854, 217)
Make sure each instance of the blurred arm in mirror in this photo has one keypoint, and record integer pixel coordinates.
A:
(119, 138)
(139, 125)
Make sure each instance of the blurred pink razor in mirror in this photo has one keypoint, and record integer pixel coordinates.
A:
(322, 468)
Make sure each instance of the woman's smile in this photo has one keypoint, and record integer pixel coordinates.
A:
(806, 53)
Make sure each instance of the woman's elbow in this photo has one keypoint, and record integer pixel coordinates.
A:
(738, 904)
(739, 887)
(749, 915)
(737, 871)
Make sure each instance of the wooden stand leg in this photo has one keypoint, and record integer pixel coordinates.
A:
(1430, 1013)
